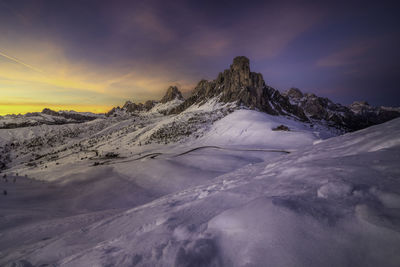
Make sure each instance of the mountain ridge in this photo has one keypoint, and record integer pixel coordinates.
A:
(243, 88)
(248, 89)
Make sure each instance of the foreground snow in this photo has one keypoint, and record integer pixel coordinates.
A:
(334, 203)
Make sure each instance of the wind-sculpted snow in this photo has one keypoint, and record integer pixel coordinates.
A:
(335, 203)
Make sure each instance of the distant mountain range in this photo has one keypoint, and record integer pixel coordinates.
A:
(248, 89)
(47, 117)
(240, 87)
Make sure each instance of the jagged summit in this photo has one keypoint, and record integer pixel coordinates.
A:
(171, 94)
(353, 117)
(238, 84)
(243, 88)
(294, 93)
(240, 70)
(50, 112)
(131, 106)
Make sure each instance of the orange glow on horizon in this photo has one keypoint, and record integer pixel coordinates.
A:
(6, 108)
(37, 74)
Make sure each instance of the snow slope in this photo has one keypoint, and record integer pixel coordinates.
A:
(249, 128)
(328, 203)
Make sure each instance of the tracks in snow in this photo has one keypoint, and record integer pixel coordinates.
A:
(156, 154)
(232, 149)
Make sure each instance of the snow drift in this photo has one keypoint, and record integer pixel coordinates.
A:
(334, 203)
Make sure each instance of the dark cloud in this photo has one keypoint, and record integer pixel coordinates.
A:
(343, 50)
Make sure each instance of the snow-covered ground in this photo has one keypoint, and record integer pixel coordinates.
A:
(233, 196)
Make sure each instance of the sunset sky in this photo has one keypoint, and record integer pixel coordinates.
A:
(93, 55)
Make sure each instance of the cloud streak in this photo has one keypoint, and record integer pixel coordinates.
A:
(107, 53)
(20, 62)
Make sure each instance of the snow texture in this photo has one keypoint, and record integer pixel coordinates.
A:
(232, 196)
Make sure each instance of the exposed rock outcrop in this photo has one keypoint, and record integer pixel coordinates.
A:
(294, 93)
(281, 128)
(245, 88)
(171, 94)
(50, 112)
(133, 107)
(238, 84)
(71, 115)
(354, 117)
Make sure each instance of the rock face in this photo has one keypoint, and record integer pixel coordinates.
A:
(238, 84)
(350, 118)
(245, 88)
(294, 93)
(50, 112)
(131, 107)
(281, 128)
(171, 94)
(367, 115)
(313, 106)
(75, 116)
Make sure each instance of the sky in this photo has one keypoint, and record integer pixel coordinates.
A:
(91, 55)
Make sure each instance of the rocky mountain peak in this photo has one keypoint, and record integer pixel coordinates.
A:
(241, 63)
(50, 112)
(127, 104)
(132, 107)
(171, 94)
(293, 93)
(360, 103)
(350, 118)
(240, 70)
(241, 86)
(239, 76)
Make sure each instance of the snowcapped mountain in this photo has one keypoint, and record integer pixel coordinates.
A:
(241, 88)
(237, 174)
(354, 117)
(47, 116)
(172, 98)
